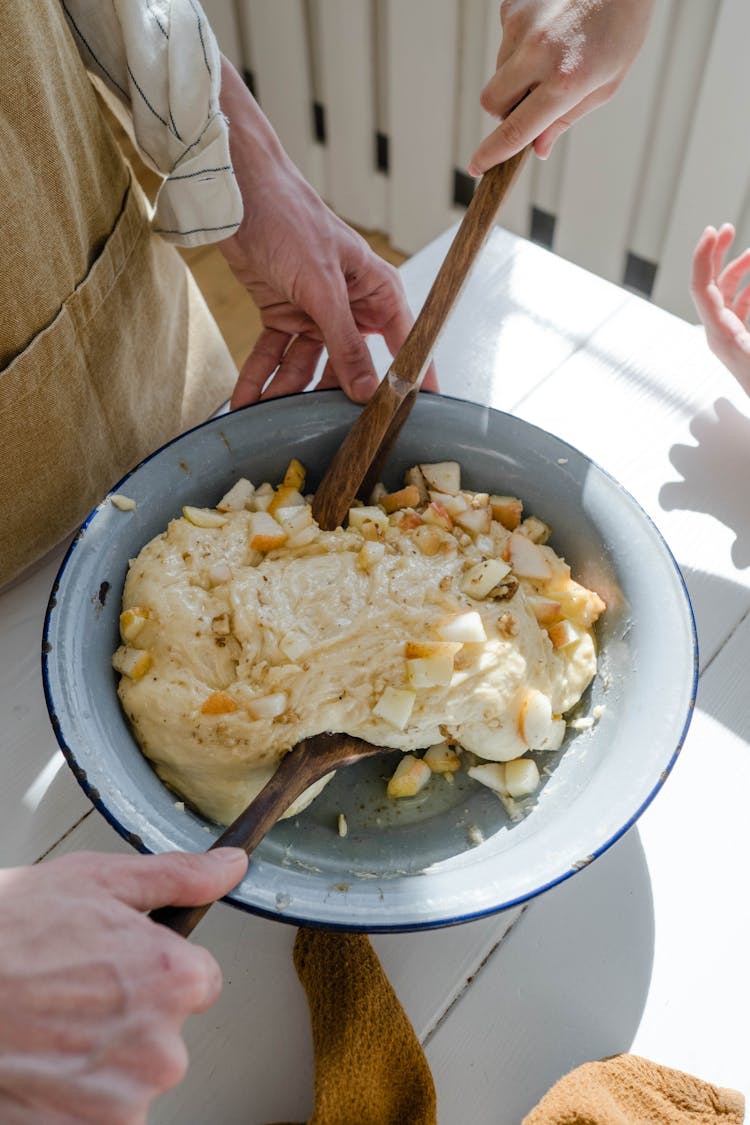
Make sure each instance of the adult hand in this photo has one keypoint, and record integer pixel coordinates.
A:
(568, 56)
(92, 993)
(721, 295)
(315, 280)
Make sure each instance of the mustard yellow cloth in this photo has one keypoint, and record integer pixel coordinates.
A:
(370, 1068)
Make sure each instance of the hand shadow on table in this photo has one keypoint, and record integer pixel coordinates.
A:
(573, 973)
(711, 482)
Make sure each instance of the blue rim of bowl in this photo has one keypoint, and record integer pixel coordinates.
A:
(289, 918)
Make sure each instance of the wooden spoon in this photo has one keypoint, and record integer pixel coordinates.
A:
(356, 466)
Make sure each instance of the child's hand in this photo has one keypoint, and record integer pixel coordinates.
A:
(722, 297)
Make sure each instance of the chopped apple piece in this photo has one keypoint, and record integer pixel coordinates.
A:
(370, 554)
(262, 497)
(507, 511)
(378, 492)
(294, 645)
(412, 774)
(132, 621)
(430, 671)
(294, 477)
(218, 703)
(554, 739)
(124, 503)
(132, 662)
(374, 516)
(218, 574)
(204, 517)
(444, 476)
(395, 706)
(496, 744)
(483, 577)
(405, 498)
(299, 525)
(268, 706)
(415, 477)
(535, 530)
(581, 605)
(559, 568)
(477, 521)
(236, 499)
(423, 650)
(527, 559)
(534, 718)
(407, 519)
(564, 633)
(546, 610)
(452, 504)
(466, 627)
(429, 539)
(491, 774)
(521, 777)
(265, 534)
(285, 497)
(442, 758)
(436, 514)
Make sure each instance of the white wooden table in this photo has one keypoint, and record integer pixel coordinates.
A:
(644, 951)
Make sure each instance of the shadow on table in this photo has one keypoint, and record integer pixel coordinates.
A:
(569, 983)
(716, 473)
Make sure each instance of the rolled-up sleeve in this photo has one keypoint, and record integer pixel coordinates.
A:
(161, 61)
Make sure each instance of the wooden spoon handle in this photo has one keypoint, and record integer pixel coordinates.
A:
(379, 424)
(305, 764)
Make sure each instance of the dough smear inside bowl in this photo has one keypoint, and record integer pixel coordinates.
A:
(439, 622)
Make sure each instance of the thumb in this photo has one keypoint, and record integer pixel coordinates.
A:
(173, 879)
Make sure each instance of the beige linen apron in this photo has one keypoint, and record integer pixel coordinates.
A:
(106, 346)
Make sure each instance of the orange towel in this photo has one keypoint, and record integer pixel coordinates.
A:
(370, 1068)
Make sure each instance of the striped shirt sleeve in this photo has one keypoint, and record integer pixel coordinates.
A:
(161, 61)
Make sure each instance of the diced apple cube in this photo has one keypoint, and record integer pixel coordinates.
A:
(236, 499)
(370, 554)
(268, 706)
(581, 605)
(407, 497)
(554, 739)
(395, 706)
(534, 718)
(264, 533)
(546, 610)
(124, 503)
(491, 774)
(527, 559)
(407, 519)
(429, 539)
(466, 627)
(262, 497)
(372, 515)
(415, 477)
(132, 662)
(285, 497)
(294, 645)
(219, 703)
(436, 514)
(218, 574)
(204, 517)
(507, 511)
(430, 671)
(442, 758)
(535, 530)
(294, 477)
(412, 774)
(477, 521)
(483, 577)
(444, 476)
(564, 633)
(132, 621)
(521, 777)
(378, 492)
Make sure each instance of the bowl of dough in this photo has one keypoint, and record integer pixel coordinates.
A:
(488, 614)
